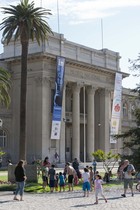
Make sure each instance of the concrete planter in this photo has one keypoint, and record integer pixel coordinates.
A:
(31, 173)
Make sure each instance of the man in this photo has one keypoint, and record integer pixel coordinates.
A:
(128, 170)
(75, 165)
(71, 174)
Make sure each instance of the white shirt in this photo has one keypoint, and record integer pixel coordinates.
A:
(86, 176)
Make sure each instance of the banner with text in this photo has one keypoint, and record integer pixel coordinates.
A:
(58, 95)
(116, 108)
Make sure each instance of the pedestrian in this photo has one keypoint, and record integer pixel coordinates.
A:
(61, 181)
(120, 171)
(71, 174)
(75, 165)
(65, 173)
(56, 158)
(45, 171)
(56, 182)
(128, 170)
(91, 177)
(86, 182)
(94, 166)
(96, 173)
(46, 162)
(98, 188)
(52, 177)
(20, 177)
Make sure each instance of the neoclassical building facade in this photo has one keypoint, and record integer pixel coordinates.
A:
(87, 100)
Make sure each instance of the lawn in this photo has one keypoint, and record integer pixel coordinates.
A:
(37, 187)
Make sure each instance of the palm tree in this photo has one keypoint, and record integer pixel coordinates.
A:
(5, 85)
(26, 22)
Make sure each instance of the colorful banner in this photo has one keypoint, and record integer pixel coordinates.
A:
(116, 108)
(57, 103)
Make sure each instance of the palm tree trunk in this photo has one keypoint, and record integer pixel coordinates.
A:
(23, 90)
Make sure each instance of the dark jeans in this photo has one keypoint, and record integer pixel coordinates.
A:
(20, 188)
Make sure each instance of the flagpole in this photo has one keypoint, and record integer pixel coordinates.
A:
(58, 23)
(102, 34)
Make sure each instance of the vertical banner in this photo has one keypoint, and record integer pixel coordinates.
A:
(58, 95)
(116, 107)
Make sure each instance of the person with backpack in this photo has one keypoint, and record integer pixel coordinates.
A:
(128, 171)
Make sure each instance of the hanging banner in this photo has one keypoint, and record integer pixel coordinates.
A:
(58, 95)
(116, 107)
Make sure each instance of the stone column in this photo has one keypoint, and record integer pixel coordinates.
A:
(76, 122)
(104, 120)
(62, 137)
(42, 101)
(90, 123)
(46, 117)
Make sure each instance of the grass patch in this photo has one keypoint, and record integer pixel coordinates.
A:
(37, 187)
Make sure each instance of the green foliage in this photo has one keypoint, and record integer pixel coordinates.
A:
(131, 140)
(26, 22)
(109, 159)
(5, 85)
(1, 152)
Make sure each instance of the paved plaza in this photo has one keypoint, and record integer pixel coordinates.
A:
(71, 201)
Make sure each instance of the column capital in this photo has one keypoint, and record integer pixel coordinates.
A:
(76, 87)
(104, 91)
(91, 90)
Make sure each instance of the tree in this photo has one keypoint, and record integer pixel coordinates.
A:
(131, 138)
(5, 84)
(109, 159)
(25, 22)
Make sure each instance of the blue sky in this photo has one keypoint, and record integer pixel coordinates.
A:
(80, 22)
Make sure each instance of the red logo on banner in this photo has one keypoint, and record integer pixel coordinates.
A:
(117, 108)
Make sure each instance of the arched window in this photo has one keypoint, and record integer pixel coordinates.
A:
(125, 109)
(3, 138)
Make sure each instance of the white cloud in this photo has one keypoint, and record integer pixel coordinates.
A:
(81, 10)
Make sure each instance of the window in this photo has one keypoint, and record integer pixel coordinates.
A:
(3, 138)
(125, 109)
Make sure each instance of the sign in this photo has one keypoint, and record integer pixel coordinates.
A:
(58, 95)
(116, 107)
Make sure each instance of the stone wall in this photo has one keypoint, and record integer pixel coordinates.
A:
(31, 173)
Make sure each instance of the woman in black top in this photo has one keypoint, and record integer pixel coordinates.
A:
(20, 179)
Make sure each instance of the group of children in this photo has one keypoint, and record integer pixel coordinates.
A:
(51, 178)
(58, 180)
(89, 180)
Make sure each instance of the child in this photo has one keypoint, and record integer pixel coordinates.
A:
(98, 188)
(86, 184)
(61, 181)
(56, 182)
(91, 177)
(96, 173)
(45, 176)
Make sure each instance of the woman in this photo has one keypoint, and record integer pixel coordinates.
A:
(20, 179)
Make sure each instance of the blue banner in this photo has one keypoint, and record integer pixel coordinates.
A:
(58, 96)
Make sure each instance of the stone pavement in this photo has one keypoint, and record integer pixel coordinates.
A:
(71, 201)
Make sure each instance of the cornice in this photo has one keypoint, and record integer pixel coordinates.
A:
(70, 62)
